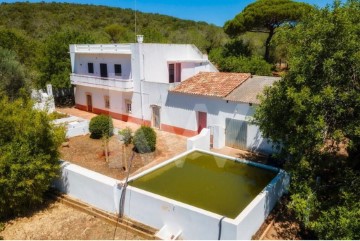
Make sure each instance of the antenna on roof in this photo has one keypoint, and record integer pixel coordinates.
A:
(135, 21)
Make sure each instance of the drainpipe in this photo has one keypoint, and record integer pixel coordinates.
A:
(140, 39)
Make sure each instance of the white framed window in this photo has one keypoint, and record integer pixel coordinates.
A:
(107, 101)
(128, 106)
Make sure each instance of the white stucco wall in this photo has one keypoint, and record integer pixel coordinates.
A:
(158, 56)
(181, 110)
(117, 98)
(82, 60)
(201, 141)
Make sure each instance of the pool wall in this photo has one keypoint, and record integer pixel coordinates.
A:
(195, 223)
(90, 187)
(162, 213)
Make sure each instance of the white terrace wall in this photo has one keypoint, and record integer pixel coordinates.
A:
(75, 126)
(201, 141)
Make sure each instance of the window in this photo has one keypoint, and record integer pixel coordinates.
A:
(90, 68)
(117, 69)
(174, 72)
(171, 73)
(128, 106)
(107, 101)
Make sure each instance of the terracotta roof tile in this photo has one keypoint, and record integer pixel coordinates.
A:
(217, 84)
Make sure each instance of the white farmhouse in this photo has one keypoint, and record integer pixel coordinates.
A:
(172, 87)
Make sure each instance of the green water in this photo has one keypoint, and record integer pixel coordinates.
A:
(215, 184)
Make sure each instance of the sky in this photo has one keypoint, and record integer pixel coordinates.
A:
(211, 11)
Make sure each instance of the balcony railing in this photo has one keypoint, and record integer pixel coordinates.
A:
(103, 48)
(95, 81)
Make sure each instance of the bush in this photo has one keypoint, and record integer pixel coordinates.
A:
(127, 136)
(57, 115)
(145, 140)
(29, 159)
(101, 126)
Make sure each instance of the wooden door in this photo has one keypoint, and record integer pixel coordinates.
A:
(89, 103)
(202, 120)
(156, 117)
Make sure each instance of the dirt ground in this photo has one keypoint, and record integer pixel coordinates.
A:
(88, 153)
(281, 225)
(58, 221)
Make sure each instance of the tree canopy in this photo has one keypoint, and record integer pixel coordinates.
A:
(265, 15)
(117, 33)
(29, 157)
(55, 62)
(313, 116)
(12, 75)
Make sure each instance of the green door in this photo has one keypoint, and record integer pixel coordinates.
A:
(236, 133)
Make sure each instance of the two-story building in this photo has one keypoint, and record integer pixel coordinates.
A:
(172, 87)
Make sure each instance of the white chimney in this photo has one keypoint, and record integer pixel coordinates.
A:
(140, 38)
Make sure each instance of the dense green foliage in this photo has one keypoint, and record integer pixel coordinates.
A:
(29, 157)
(117, 33)
(12, 75)
(101, 126)
(266, 15)
(126, 135)
(145, 139)
(236, 56)
(18, 42)
(54, 64)
(313, 115)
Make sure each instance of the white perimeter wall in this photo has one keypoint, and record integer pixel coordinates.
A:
(90, 187)
(153, 210)
(82, 60)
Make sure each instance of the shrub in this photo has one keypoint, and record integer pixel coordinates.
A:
(57, 115)
(101, 126)
(127, 136)
(29, 159)
(145, 140)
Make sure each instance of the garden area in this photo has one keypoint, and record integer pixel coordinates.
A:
(90, 152)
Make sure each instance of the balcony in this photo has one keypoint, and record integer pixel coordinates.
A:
(101, 48)
(104, 83)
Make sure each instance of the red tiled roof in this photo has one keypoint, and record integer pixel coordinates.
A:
(217, 84)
